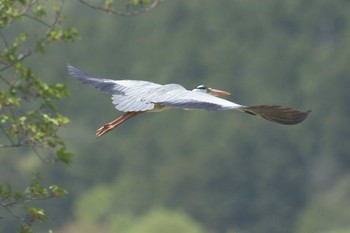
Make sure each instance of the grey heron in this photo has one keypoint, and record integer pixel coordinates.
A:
(135, 97)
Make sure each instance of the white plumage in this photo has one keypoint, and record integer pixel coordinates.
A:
(135, 97)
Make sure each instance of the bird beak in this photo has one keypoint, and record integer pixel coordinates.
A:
(215, 92)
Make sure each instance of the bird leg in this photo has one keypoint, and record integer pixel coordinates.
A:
(111, 125)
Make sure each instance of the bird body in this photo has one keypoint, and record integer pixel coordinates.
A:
(135, 96)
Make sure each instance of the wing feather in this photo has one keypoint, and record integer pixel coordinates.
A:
(278, 114)
(105, 85)
(119, 87)
(126, 103)
(127, 95)
(197, 100)
(134, 95)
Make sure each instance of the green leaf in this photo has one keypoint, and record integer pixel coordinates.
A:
(3, 118)
(6, 192)
(37, 191)
(39, 11)
(23, 2)
(108, 4)
(24, 229)
(64, 156)
(57, 191)
(19, 196)
(21, 38)
(36, 214)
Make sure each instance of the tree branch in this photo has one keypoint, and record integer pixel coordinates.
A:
(7, 206)
(120, 13)
(44, 39)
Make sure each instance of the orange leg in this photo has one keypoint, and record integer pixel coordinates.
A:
(111, 125)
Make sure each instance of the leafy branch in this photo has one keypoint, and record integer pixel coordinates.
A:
(10, 56)
(29, 213)
(28, 113)
(22, 125)
(29, 117)
(131, 8)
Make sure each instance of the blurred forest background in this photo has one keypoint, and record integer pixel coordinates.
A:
(199, 171)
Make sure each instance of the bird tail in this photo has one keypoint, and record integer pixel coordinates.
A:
(278, 114)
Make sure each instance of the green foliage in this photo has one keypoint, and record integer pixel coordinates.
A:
(29, 116)
(27, 198)
(92, 207)
(123, 7)
(225, 169)
(328, 212)
(228, 171)
(161, 220)
(139, 2)
(341, 230)
(93, 210)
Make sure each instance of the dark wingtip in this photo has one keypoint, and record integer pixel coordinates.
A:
(71, 69)
(75, 72)
(278, 114)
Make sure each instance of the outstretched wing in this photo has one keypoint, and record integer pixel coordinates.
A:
(134, 95)
(195, 100)
(127, 94)
(278, 114)
(108, 85)
(170, 95)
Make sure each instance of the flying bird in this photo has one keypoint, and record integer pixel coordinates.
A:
(134, 97)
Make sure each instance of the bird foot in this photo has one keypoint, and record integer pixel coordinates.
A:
(104, 129)
(111, 125)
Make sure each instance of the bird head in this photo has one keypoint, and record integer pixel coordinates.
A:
(211, 91)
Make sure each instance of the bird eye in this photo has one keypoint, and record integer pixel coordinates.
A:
(202, 87)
